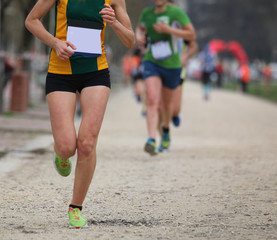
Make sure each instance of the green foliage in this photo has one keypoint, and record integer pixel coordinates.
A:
(256, 89)
(251, 22)
(9, 114)
(260, 90)
(3, 154)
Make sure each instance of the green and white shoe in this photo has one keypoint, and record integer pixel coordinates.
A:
(75, 218)
(63, 166)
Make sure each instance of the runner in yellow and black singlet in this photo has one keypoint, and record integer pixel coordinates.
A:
(75, 68)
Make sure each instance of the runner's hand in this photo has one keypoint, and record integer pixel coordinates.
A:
(141, 39)
(108, 14)
(62, 49)
(162, 27)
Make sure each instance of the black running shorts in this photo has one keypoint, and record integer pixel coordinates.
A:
(76, 82)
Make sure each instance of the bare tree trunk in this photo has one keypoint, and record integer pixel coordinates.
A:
(1, 85)
(1, 25)
(1, 62)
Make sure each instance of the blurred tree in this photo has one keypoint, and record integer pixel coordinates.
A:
(13, 37)
(251, 22)
(13, 34)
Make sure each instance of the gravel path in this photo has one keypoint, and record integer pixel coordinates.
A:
(219, 181)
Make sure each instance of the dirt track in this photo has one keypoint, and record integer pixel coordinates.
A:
(219, 181)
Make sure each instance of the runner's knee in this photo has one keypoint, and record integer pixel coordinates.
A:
(65, 147)
(152, 102)
(86, 146)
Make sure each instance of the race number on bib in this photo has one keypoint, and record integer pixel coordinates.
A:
(86, 36)
(161, 50)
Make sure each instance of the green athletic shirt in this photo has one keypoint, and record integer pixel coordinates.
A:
(174, 16)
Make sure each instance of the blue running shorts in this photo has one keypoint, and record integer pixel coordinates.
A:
(170, 76)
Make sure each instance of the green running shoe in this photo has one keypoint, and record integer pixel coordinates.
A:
(162, 149)
(165, 140)
(63, 166)
(150, 147)
(75, 218)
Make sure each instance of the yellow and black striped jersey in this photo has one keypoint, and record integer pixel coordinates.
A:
(79, 10)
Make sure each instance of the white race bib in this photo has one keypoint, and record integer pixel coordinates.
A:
(161, 50)
(86, 37)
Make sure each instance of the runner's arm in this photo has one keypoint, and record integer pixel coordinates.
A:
(190, 51)
(141, 35)
(187, 32)
(34, 25)
(116, 16)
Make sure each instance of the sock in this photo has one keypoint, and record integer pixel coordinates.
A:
(175, 117)
(166, 130)
(74, 206)
(138, 98)
(151, 139)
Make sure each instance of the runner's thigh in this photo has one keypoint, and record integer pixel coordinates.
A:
(62, 109)
(93, 102)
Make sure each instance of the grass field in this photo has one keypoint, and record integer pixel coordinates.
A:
(257, 89)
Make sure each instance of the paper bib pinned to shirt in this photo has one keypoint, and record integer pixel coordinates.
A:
(86, 36)
(161, 50)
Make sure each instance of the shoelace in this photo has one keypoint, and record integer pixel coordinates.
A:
(63, 163)
(76, 213)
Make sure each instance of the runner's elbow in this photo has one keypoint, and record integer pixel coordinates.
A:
(27, 23)
(193, 37)
(131, 42)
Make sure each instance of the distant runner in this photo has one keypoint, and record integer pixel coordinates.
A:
(187, 49)
(162, 64)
